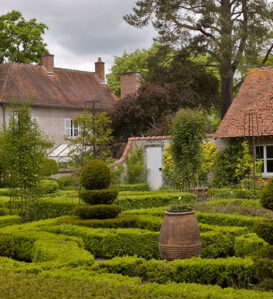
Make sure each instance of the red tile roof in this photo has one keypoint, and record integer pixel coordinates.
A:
(66, 88)
(254, 101)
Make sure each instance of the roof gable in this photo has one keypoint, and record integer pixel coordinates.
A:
(254, 101)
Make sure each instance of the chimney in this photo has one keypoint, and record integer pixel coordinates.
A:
(99, 69)
(48, 63)
(129, 84)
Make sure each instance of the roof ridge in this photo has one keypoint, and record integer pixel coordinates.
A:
(67, 69)
(4, 87)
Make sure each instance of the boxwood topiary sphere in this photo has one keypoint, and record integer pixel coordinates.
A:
(95, 175)
(267, 195)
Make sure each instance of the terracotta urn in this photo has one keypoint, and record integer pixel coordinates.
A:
(179, 236)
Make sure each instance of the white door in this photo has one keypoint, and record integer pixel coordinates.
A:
(154, 164)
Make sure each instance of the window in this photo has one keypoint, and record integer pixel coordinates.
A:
(265, 153)
(71, 128)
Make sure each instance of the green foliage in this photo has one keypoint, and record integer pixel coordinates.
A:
(133, 62)
(94, 197)
(93, 138)
(264, 230)
(188, 130)
(47, 186)
(95, 175)
(121, 221)
(134, 187)
(66, 181)
(97, 211)
(6, 246)
(246, 244)
(22, 151)
(267, 195)
(208, 159)
(181, 205)
(232, 272)
(2, 212)
(226, 164)
(151, 199)
(10, 220)
(21, 40)
(50, 167)
(135, 166)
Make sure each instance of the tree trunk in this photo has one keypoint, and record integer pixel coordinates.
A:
(226, 92)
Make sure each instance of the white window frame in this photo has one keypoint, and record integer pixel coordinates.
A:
(70, 129)
(265, 173)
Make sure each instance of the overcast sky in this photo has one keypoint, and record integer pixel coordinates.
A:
(82, 30)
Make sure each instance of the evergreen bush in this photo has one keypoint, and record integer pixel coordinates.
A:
(95, 175)
(97, 211)
(267, 195)
(94, 197)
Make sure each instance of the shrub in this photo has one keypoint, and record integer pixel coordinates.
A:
(135, 166)
(232, 272)
(267, 195)
(97, 211)
(246, 244)
(150, 200)
(50, 167)
(6, 245)
(10, 220)
(95, 175)
(121, 221)
(66, 181)
(94, 197)
(48, 186)
(2, 212)
(264, 230)
(134, 187)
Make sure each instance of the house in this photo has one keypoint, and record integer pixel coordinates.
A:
(250, 117)
(58, 96)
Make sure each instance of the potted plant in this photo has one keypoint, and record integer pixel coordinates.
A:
(179, 233)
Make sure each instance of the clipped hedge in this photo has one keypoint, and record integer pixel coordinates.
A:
(150, 200)
(10, 220)
(264, 229)
(98, 197)
(2, 212)
(246, 244)
(209, 218)
(66, 181)
(121, 221)
(134, 187)
(74, 283)
(230, 272)
(267, 195)
(48, 186)
(97, 211)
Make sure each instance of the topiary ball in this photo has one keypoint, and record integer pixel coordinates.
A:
(267, 195)
(95, 175)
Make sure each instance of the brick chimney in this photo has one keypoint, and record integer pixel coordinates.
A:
(129, 84)
(99, 69)
(48, 63)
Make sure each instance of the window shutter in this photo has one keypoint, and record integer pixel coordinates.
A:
(67, 127)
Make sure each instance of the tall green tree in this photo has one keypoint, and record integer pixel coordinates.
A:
(23, 150)
(21, 40)
(225, 29)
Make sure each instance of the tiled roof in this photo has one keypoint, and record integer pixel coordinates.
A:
(65, 88)
(251, 113)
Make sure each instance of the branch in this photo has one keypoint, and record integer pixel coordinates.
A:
(267, 55)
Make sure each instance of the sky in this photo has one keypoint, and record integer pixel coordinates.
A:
(80, 31)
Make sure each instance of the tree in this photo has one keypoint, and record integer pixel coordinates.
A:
(225, 29)
(136, 61)
(93, 139)
(188, 131)
(21, 40)
(23, 150)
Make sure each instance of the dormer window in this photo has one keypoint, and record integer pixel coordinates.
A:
(71, 128)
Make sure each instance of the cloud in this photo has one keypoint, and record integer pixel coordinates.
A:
(80, 31)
